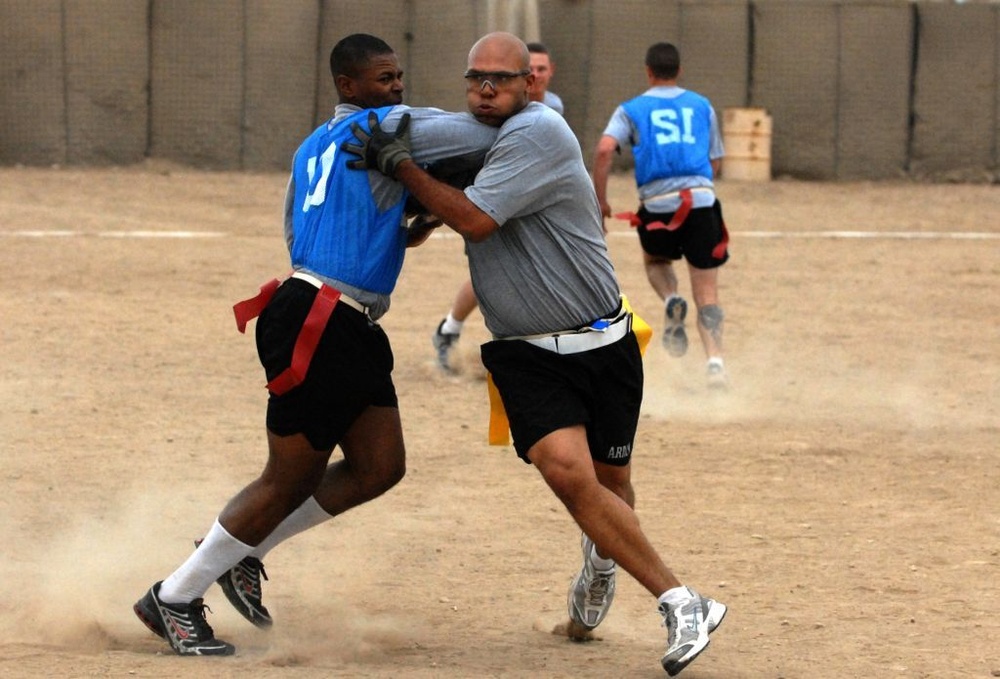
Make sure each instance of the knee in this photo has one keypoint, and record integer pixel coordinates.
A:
(568, 483)
(394, 473)
(622, 489)
(383, 477)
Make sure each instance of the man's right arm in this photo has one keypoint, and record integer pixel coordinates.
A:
(603, 157)
(451, 205)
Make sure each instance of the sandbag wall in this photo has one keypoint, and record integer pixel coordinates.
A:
(857, 89)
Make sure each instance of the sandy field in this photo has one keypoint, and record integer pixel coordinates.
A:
(842, 497)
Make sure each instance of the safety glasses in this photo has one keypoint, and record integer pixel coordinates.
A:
(495, 79)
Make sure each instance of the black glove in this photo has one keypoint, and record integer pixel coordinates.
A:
(379, 150)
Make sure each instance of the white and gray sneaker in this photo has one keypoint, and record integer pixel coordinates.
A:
(688, 626)
(716, 373)
(592, 591)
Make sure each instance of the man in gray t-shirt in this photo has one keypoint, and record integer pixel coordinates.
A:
(547, 270)
(449, 330)
(563, 358)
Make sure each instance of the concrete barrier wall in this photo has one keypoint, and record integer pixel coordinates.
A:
(874, 103)
(387, 19)
(795, 77)
(282, 51)
(441, 33)
(857, 89)
(566, 29)
(955, 90)
(715, 50)
(32, 82)
(197, 82)
(107, 99)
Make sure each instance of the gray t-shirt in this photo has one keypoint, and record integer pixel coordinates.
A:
(546, 268)
(554, 102)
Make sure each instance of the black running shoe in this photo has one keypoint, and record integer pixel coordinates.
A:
(241, 585)
(182, 625)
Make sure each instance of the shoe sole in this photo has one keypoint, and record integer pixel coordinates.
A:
(147, 619)
(443, 355)
(242, 607)
(581, 628)
(675, 338)
(675, 341)
(716, 614)
(719, 383)
(674, 668)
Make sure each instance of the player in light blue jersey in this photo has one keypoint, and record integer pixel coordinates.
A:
(328, 362)
(674, 135)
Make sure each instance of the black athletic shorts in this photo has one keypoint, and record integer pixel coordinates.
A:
(694, 239)
(351, 369)
(543, 391)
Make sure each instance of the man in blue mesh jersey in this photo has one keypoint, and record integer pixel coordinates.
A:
(327, 360)
(674, 134)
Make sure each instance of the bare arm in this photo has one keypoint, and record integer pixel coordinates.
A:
(603, 155)
(446, 202)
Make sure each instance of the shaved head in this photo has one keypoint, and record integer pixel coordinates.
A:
(500, 47)
(499, 78)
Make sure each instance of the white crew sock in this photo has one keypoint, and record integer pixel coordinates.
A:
(308, 514)
(715, 360)
(599, 562)
(676, 596)
(451, 326)
(218, 552)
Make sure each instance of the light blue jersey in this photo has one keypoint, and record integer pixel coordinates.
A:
(347, 227)
(338, 231)
(674, 134)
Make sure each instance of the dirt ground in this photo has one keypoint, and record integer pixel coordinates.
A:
(843, 497)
